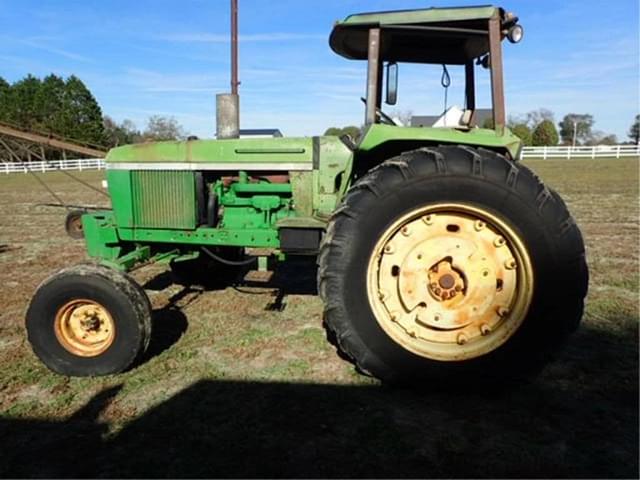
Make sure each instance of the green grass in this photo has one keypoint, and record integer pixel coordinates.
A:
(238, 390)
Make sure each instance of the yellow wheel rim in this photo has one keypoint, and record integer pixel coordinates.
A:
(84, 328)
(450, 282)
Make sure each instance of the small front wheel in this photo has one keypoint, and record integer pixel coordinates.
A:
(73, 224)
(89, 320)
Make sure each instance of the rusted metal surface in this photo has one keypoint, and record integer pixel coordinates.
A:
(50, 142)
(497, 82)
(84, 328)
(450, 282)
(234, 47)
(373, 68)
(227, 116)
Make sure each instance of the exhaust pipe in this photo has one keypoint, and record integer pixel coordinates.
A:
(227, 115)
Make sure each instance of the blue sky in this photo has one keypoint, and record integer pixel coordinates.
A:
(171, 57)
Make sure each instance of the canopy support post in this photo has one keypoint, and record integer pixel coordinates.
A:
(373, 69)
(497, 82)
(470, 89)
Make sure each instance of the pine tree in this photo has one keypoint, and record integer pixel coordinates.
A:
(522, 131)
(634, 131)
(81, 117)
(22, 103)
(4, 93)
(50, 100)
(545, 134)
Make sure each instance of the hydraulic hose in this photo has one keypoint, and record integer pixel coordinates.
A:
(233, 263)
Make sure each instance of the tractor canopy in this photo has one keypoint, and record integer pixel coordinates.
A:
(451, 36)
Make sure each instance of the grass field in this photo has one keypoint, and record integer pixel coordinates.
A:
(233, 388)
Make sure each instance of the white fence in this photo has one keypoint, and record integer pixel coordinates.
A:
(598, 151)
(53, 165)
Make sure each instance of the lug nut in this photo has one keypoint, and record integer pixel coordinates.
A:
(388, 249)
(479, 225)
(510, 264)
(499, 241)
(485, 329)
(502, 311)
(462, 339)
(428, 219)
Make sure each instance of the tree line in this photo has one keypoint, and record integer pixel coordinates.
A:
(67, 108)
(536, 128)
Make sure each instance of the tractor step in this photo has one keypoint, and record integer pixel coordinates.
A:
(258, 276)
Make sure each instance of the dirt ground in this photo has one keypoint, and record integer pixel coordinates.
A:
(233, 387)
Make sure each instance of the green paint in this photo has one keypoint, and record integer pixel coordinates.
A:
(421, 16)
(378, 134)
(248, 150)
(161, 192)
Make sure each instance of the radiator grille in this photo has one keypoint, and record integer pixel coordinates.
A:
(163, 199)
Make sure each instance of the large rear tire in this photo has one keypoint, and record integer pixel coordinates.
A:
(89, 320)
(469, 269)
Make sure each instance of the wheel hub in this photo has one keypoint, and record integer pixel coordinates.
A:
(450, 282)
(84, 328)
(444, 281)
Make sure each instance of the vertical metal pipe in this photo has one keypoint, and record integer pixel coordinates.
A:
(373, 67)
(234, 47)
(470, 88)
(497, 82)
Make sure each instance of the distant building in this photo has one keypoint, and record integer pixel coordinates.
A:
(260, 133)
(450, 118)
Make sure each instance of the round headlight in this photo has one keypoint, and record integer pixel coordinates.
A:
(515, 33)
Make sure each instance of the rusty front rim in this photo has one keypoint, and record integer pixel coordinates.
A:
(450, 282)
(84, 328)
(75, 225)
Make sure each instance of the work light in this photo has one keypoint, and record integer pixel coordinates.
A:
(515, 33)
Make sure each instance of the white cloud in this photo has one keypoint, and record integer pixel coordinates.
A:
(57, 51)
(256, 37)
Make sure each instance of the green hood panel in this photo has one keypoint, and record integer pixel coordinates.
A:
(250, 151)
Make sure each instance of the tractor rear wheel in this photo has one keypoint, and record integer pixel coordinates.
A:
(89, 320)
(470, 268)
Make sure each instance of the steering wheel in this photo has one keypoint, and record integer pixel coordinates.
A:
(386, 119)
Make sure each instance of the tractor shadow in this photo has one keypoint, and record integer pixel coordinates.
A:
(296, 276)
(579, 419)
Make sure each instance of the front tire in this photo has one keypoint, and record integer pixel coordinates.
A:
(89, 320)
(470, 267)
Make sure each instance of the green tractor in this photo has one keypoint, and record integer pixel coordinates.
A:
(439, 255)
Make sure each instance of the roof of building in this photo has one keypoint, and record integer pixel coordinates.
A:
(262, 132)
